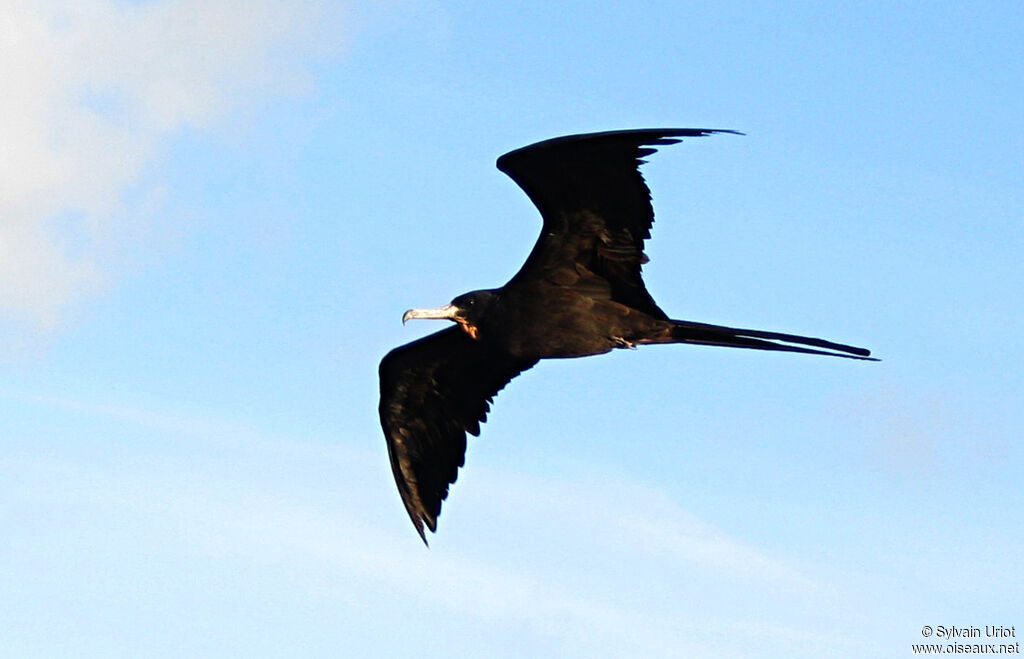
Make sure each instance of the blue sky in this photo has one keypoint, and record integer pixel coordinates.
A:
(214, 214)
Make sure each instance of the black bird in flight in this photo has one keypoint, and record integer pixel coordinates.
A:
(579, 293)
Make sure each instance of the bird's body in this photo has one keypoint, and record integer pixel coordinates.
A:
(579, 293)
(539, 320)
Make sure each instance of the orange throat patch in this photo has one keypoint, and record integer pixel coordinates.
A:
(472, 330)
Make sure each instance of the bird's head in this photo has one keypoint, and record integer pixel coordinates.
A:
(468, 310)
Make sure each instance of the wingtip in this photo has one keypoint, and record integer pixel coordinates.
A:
(713, 131)
(651, 136)
(417, 522)
(662, 136)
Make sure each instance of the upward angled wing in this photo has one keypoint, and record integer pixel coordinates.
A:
(596, 208)
(432, 392)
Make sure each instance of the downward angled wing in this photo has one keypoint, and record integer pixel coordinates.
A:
(432, 392)
(596, 209)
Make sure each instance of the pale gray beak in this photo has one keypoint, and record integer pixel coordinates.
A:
(448, 312)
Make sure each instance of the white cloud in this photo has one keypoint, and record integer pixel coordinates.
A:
(90, 90)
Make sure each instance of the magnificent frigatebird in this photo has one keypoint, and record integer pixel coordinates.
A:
(579, 293)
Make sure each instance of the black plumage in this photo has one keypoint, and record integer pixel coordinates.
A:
(580, 292)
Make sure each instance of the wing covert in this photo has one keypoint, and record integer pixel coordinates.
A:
(432, 392)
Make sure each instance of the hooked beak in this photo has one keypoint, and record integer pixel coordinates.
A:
(448, 312)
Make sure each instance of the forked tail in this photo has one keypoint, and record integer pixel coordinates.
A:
(684, 331)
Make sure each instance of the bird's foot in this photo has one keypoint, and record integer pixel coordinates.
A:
(623, 343)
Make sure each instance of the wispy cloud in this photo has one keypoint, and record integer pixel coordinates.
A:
(321, 525)
(175, 424)
(90, 90)
(641, 520)
(636, 519)
(333, 555)
(687, 538)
